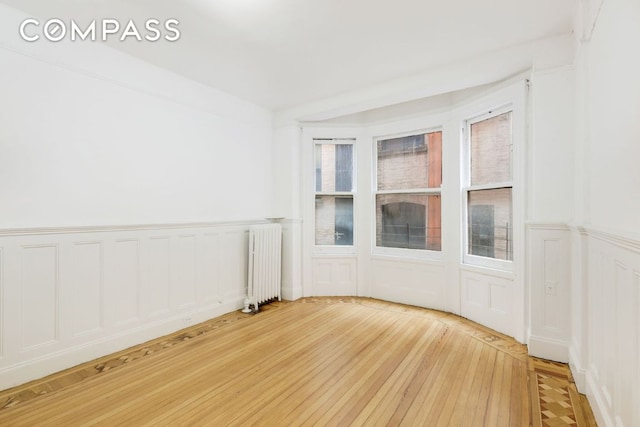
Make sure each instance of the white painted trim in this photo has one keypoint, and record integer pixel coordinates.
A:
(533, 225)
(626, 241)
(7, 232)
(292, 294)
(597, 401)
(578, 372)
(550, 349)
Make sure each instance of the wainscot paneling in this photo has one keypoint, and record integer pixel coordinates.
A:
(613, 331)
(334, 276)
(414, 282)
(210, 265)
(1, 299)
(39, 295)
(122, 281)
(183, 289)
(549, 280)
(234, 255)
(70, 295)
(156, 276)
(487, 299)
(86, 284)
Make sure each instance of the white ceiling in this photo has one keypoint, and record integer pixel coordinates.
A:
(281, 53)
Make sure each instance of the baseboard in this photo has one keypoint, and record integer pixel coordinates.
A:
(292, 294)
(577, 371)
(549, 349)
(33, 369)
(597, 402)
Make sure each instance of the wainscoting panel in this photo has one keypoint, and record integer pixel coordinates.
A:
(122, 282)
(156, 277)
(183, 283)
(234, 255)
(39, 292)
(487, 299)
(549, 280)
(613, 331)
(209, 268)
(87, 287)
(411, 282)
(74, 294)
(334, 276)
(2, 335)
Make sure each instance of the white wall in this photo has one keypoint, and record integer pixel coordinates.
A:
(91, 136)
(613, 139)
(126, 191)
(550, 208)
(551, 150)
(287, 204)
(605, 342)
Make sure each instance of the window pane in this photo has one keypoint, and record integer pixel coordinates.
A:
(334, 167)
(410, 162)
(334, 220)
(491, 150)
(490, 223)
(411, 221)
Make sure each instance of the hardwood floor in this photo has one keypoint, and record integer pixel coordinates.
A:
(316, 361)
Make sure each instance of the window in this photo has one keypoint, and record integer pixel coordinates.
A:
(408, 186)
(334, 191)
(489, 187)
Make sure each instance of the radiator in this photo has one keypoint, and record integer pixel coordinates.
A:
(265, 262)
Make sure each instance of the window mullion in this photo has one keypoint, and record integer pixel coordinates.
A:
(411, 191)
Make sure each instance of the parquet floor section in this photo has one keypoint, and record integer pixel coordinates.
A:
(316, 361)
(555, 397)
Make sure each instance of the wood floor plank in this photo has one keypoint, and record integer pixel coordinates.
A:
(363, 389)
(389, 397)
(439, 387)
(329, 389)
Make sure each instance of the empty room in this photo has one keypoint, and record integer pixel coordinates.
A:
(297, 212)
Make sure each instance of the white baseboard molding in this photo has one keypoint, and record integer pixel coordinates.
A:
(549, 349)
(577, 371)
(33, 369)
(292, 294)
(597, 402)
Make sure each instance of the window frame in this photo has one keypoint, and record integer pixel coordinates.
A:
(335, 140)
(404, 252)
(467, 188)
